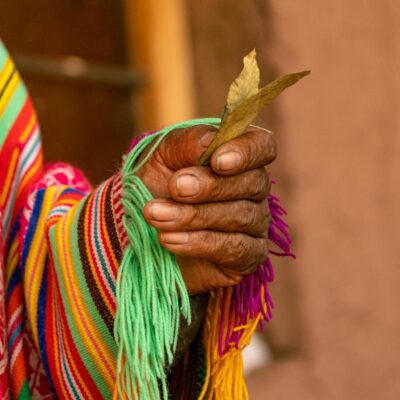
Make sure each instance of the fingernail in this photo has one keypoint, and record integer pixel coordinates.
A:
(206, 139)
(163, 212)
(175, 237)
(230, 160)
(187, 185)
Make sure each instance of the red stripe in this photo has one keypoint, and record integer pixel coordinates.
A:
(68, 341)
(94, 264)
(106, 246)
(11, 143)
(13, 137)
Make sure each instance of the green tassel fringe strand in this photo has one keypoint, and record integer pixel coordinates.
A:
(151, 294)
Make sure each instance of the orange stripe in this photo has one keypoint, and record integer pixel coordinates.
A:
(28, 128)
(5, 73)
(18, 372)
(10, 174)
(73, 367)
(91, 257)
(57, 339)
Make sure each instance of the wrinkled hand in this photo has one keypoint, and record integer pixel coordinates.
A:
(215, 219)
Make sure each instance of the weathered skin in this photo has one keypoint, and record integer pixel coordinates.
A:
(215, 219)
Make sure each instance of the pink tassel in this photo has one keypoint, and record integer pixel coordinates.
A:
(247, 302)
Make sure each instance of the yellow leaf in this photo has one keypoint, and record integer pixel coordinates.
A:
(236, 122)
(245, 85)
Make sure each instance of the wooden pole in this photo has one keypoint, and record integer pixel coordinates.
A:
(158, 43)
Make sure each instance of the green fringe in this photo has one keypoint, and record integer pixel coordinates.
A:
(150, 291)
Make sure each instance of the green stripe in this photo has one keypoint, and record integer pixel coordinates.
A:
(13, 108)
(24, 393)
(3, 55)
(84, 292)
(90, 304)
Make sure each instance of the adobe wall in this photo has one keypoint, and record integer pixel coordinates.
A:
(341, 146)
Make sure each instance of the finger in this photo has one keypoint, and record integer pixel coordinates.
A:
(234, 253)
(200, 184)
(201, 276)
(237, 216)
(183, 147)
(252, 150)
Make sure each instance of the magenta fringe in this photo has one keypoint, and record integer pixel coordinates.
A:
(246, 299)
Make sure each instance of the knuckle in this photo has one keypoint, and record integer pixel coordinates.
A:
(230, 249)
(264, 251)
(260, 184)
(263, 220)
(272, 148)
(192, 217)
(242, 253)
(252, 215)
(265, 212)
(259, 255)
(266, 146)
(217, 188)
(215, 243)
(268, 179)
(252, 152)
(199, 244)
(240, 211)
(241, 248)
(266, 225)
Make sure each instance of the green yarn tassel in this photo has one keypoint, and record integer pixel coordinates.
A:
(150, 294)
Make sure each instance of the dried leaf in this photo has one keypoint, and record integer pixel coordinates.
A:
(245, 85)
(243, 115)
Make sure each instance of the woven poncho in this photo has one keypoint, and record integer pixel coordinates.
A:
(61, 244)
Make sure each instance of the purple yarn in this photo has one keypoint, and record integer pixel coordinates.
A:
(246, 300)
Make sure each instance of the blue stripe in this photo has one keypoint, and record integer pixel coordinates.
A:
(37, 207)
(13, 233)
(16, 274)
(97, 242)
(16, 332)
(34, 147)
(13, 282)
(41, 324)
(63, 361)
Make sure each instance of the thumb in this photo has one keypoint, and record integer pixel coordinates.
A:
(183, 147)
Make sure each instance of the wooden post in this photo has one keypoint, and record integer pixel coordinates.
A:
(158, 43)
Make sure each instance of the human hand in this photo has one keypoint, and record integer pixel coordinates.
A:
(214, 219)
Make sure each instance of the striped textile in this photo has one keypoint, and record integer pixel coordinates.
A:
(60, 251)
(20, 168)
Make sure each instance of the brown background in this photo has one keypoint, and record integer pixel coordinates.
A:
(83, 123)
(336, 329)
(340, 135)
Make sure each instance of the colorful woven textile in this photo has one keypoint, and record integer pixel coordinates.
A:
(61, 244)
(60, 255)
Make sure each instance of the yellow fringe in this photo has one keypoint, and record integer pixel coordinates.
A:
(224, 375)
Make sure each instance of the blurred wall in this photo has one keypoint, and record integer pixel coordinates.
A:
(60, 46)
(341, 144)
